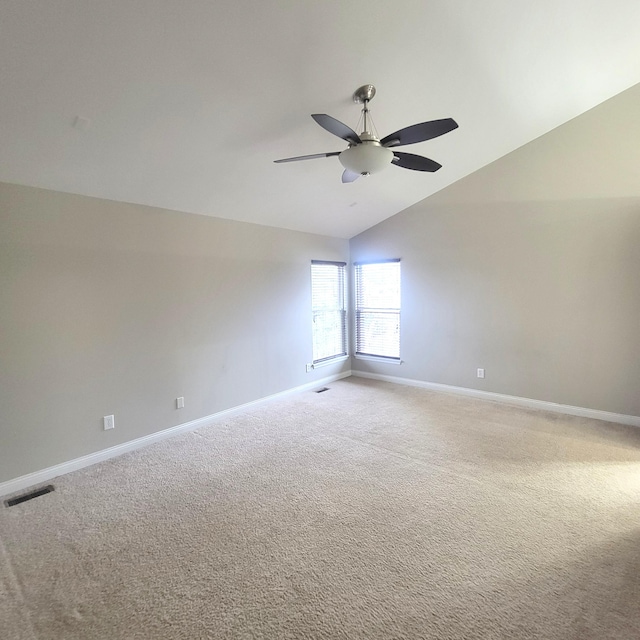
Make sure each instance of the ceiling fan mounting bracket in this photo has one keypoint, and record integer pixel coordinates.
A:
(365, 93)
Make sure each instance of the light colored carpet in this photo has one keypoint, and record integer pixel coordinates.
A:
(370, 511)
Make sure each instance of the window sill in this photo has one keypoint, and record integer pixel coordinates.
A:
(381, 359)
(325, 363)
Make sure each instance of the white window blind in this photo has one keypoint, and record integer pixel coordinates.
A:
(378, 309)
(328, 301)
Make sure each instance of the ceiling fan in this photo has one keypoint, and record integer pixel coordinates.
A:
(367, 153)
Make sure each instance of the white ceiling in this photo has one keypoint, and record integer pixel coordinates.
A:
(189, 102)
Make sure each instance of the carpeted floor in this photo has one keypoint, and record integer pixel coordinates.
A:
(371, 511)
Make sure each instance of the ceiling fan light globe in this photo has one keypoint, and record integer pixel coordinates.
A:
(366, 158)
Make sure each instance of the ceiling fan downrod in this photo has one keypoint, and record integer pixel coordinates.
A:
(363, 95)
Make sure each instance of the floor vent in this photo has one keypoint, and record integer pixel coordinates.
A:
(323, 389)
(29, 496)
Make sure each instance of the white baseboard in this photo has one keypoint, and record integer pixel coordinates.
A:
(501, 397)
(44, 475)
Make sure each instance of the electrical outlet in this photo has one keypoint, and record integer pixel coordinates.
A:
(180, 403)
(480, 373)
(109, 422)
(309, 368)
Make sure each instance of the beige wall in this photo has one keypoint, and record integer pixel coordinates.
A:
(529, 268)
(110, 308)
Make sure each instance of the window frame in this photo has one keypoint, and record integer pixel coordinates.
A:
(341, 307)
(359, 309)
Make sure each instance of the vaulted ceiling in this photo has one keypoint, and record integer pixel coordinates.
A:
(185, 105)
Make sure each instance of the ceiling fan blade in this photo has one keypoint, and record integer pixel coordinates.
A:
(412, 161)
(419, 132)
(336, 127)
(311, 157)
(349, 176)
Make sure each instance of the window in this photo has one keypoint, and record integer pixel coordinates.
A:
(378, 309)
(328, 302)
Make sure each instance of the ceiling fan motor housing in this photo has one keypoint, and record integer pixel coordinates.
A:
(367, 157)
